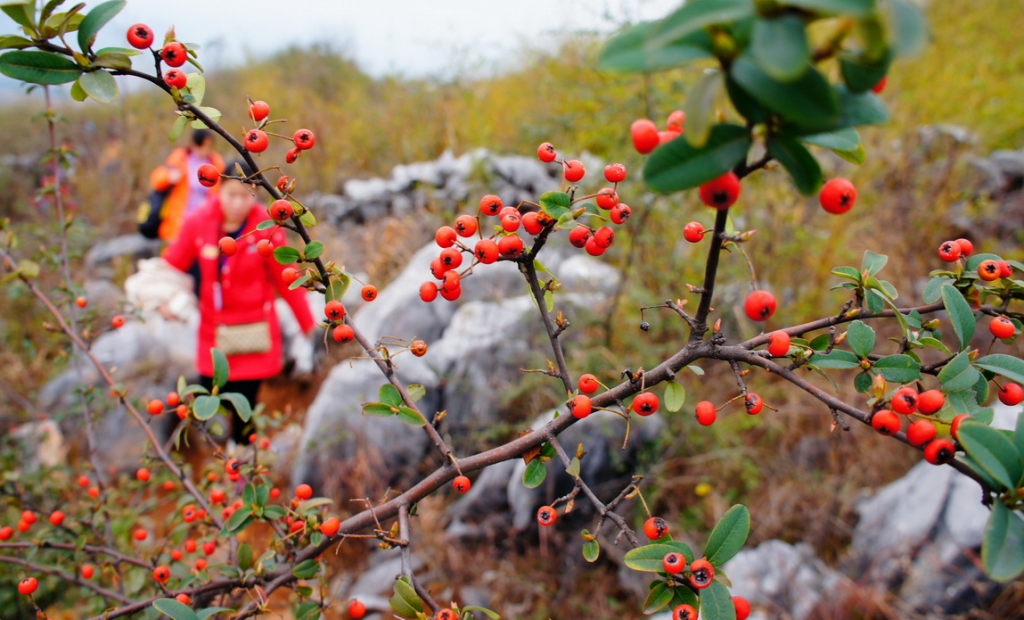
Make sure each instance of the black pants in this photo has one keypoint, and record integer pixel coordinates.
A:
(249, 388)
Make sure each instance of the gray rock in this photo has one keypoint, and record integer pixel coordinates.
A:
(40, 444)
(1010, 163)
(133, 247)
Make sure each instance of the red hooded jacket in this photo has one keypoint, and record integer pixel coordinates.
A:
(247, 286)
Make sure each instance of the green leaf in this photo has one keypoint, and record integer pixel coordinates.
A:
(555, 204)
(38, 67)
(240, 403)
(716, 603)
(861, 338)
(933, 290)
(675, 396)
(411, 417)
(245, 556)
(274, 512)
(197, 86)
(845, 139)
(266, 224)
(696, 15)
(213, 113)
(1018, 434)
(308, 610)
(313, 250)
(174, 609)
(873, 263)
(958, 374)
(1002, 549)
(729, 535)
(745, 104)
(862, 382)
(416, 391)
(960, 314)
(113, 60)
(11, 41)
(779, 46)
(262, 495)
(808, 101)
(1004, 365)
(95, 20)
(307, 218)
(677, 165)
(286, 255)
(861, 73)
(650, 558)
(379, 410)
(307, 569)
(860, 108)
(209, 611)
(573, 469)
(487, 612)
(700, 107)
(899, 368)
(221, 370)
(240, 519)
(993, 451)
(910, 31)
(390, 395)
(685, 596)
(858, 8)
(591, 550)
(405, 602)
(847, 272)
(658, 597)
(629, 51)
(534, 474)
(798, 161)
(837, 359)
(206, 407)
(300, 282)
(178, 128)
(855, 156)
(338, 286)
(21, 12)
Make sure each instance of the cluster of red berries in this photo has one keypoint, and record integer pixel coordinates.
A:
(988, 270)
(257, 140)
(647, 137)
(907, 401)
(174, 53)
(701, 572)
(689, 612)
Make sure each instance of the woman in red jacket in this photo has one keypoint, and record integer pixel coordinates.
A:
(236, 295)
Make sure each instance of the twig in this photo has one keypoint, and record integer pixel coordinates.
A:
(68, 577)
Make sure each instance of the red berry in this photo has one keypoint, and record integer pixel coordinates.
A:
(445, 614)
(445, 236)
(88, 570)
(754, 403)
(174, 54)
(451, 293)
(531, 223)
(546, 515)
(24, 526)
(176, 555)
(140, 534)
(886, 422)
(334, 310)
(183, 599)
(356, 609)
(461, 484)
(259, 110)
(1011, 394)
(228, 246)
(706, 413)
(950, 251)
(607, 198)
(428, 291)
(615, 173)
(620, 213)
(27, 585)
(486, 251)
(200, 563)
(778, 344)
(304, 139)
(880, 86)
(721, 193)
(930, 401)
(989, 270)
(593, 247)
(142, 474)
(954, 426)
(303, 491)
(693, 232)
(645, 135)
(161, 574)
(674, 563)
(282, 183)
(904, 401)
(140, 36)
(189, 514)
(6, 532)
(604, 237)
(208, 548)
(490, 204)
(290, 274)
(29, 517)
(667, 136)
(510, 221)
(574, 170)
(1005, 269)
(702, 573)
(56, 518)
(173, 400)
(368, 292)
(920, 432)
(655, 528)
(742, 607)
(966, 247)
(168, 486)
(292, 155)
(939, 451)
(93, 492)
(684, 612)
(675, 121)
(837, 196)
(1002, 327)
(760, 306)
(645, 403)
(466, 225)
(117, 321)
(175, 79)
(546, 153)
(256, 141)
(580, 406)
(588, 384)
(81, 302)
(343, 334)
(83, 481)
(510, 246)
(281, 210)
(265, 248)
(155, 407)
(578, 236)
(217, 496)
(330, 526)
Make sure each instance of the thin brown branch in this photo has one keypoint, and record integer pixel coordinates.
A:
(67, 577)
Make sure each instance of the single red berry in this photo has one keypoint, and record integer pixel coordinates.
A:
(256, 141)
(578, 236)
(989, 270)
(954, 426)
(466, 225)
(228, 246)
(1005, 269)
(580, 406)
(303, 491)
(94, 492)
(56, 518)
(930, 401)
(265, 443)
(176, 555)
(920, 432)
(343, 334)
(140, 534)
(706, 413)
(451, 258)
(880, 86)
(24, 526)
(742, 607)
(546, 515)
(259, 110)
(1002, 327)
(27, 585)
(83, 481)
(275, 493)
(620, 213)
(1011, 394)
(290, 274)
(645, 135)
(200, 564)
(694, 232)
(208, 548)
(939, 451)
(645, 403)
(173, 400)
(531, 223)
(168, 486)
(140, 36)
(886, 422)
(330, 526)
(369, 292)
(702, 573)
(418, 348)
(161, 574)
(778, 343)
(190, 546)
(486, 251)
(754, 403)
(615, 173)
(356, 609)
(428, 291)
(217, 496)
(904, 401)
(574, 170)
(155, 407)
(81, 302)
(117, 321)
(950, 251)
(607, 198)
(292, 155)
(334, 310)
(189, 514)
(546, 153)
(837, 196)
(676, 121)
(174, 54)
(674, 563)
(593, 247)
(29, 517)
(510, 221)
(655, 528)
(461, 484)
(966, 247)
(175, 79)
(142, 474)
(490, 204)
(445, 236)
(281, 210)
(183, 599)
(6, 532)
(760, 306)
(88, 570)
(282, 183)
(265, 248)
(722, 192)
(604, 237)
(304, 139)
(588, 384)
(445, 614)
(684, 612)
(510, 246)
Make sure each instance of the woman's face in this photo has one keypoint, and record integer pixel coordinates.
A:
(235, 201)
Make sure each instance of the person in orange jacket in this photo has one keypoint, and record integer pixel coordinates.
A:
(179, 174)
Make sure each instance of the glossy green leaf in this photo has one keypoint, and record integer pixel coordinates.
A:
(221, 369)
(958, 374)
(14, 42)
(910, 31)
(802, 166)
(861, 74)
(700, 107)
(245, 556)
(862, 382)
(808, 101)
(286, 255)
(307, 569)
(678, 165)
(899, 368)
(729, 535)
(21, 12)
(696, 15)
(837, 359)
(1002, 548)
(38, 67)
(629, 51)
(650, 558)
(860, 108)
(313, 250)
(405, 602)
(213, 113)
(591, 550)
(174, 609)
(411, 417)
(487, 612)
(658, 598)
(861, 338)
(534, 474)
(390, 395)
(960, 314)
(856, 8)
(239, 520)
(206, 407)
(993, 451)
(555, 204)
(675, 396)
(1004, 365)
(933, 289)
(308, 610)
(380, 410)
(855, 156)
(745, 104)
(95, 20)
(846, 139)
(113, 60)
(240, 403)
(850, 273)
(1018, 434)
(338, 287)
(716, 603)
(779, 46)
(178, 128)
(872, 262)
(209, 611)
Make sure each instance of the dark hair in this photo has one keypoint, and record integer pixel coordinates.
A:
(235, 165)
(200, 136)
